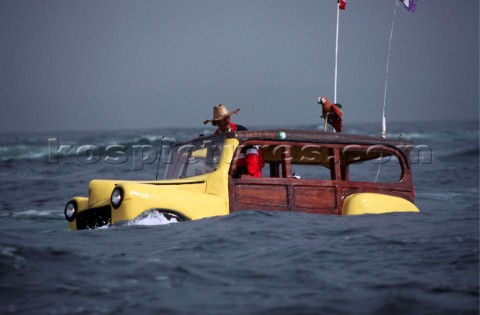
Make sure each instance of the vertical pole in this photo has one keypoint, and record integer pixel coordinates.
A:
(384, 120)
(160, 157)
(336, 56)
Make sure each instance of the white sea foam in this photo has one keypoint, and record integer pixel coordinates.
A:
(11, 253)
(152, 217)
(444, 196)
(35, 213)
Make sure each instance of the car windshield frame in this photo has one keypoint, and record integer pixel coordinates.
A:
(196, 157)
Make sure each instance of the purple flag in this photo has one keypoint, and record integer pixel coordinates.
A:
(410, 5)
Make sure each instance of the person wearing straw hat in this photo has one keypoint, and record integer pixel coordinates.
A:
(250, 161)
(221, 119)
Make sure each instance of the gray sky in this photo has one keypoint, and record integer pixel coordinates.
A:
(116, 64)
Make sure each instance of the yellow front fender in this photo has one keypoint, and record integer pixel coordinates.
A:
(189, 200)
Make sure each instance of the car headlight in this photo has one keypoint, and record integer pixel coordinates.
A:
(117, 197)
(70, 211)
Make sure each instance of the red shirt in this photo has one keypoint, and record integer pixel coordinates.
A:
(233, 128)
(250, 162)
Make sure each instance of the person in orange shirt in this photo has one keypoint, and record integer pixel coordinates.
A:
(331, 112)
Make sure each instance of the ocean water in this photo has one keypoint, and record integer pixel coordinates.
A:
(252, 262)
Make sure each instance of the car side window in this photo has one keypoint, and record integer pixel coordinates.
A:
(297, 160)
(374, 165)
(312, 161)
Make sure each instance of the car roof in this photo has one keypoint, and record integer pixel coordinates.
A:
(314, 136)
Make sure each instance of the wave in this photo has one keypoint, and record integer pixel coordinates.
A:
(49, 149)
(47, 146)
(431, 132)
(461, 154)
(33, 214)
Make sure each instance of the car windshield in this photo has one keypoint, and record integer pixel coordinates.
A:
(197, 157)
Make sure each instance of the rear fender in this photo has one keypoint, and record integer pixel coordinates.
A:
(373, 203)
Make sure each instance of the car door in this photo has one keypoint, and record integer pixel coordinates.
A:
(280, 188)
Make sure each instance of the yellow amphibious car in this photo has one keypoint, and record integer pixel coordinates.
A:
(308, 171)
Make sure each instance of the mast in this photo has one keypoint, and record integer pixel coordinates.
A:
(336, 55)
(384, 119)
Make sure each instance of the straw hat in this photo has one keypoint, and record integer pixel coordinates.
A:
(220, 112)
